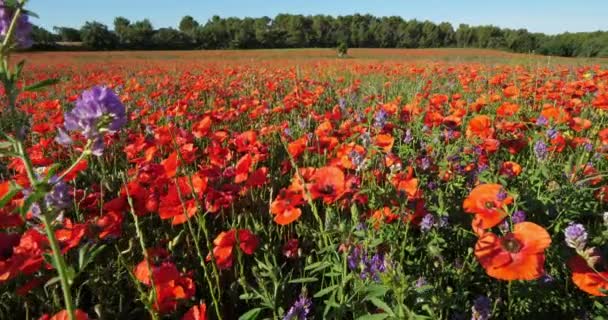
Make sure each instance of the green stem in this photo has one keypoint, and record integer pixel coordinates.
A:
(59, 264)
(83, 155)
(47, 220)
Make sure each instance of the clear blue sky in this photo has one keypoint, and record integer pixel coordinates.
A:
(549, 16)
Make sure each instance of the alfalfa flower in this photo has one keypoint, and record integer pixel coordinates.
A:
(300, 309)
(97, 111)
(576, 236)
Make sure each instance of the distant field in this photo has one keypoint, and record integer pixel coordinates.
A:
(293, 55)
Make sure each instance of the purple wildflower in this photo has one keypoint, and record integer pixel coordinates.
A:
(481, 308)
(542, 121)
(354, 258)
(59, 197)
(576, 236)
(366, 139)
(97, 110)
(356, 159)
(427, 222)
(540, 150)
(63, 138)
(380, 119)
(342, 103)
(588, 147)
(552, 133)
(518, 216)
(443, 222)
(546, 279)
(23, 28)
(300, 309)
(421, 282)
(408, 136)
(425, 163)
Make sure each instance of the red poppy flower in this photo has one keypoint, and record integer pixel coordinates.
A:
(519, 255)
(586, 278)
(63, 315)
(384, 142)
(285, 206)
(328, 184)
(480, 126)
(225, 243)
(510, 169)
(486, 201)
(197, 312)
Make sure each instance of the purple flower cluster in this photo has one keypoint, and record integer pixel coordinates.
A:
(369, 267)
(98, 110)
(380, 119)
(300, 309)
(518, 216)
(540, 150)
(59, 197)
(427, 223)
(23, 28)
(576, 236)
(481, 309)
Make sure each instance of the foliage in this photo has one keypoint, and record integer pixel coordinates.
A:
(357, 31)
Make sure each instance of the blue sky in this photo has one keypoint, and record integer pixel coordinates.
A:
(549, 16)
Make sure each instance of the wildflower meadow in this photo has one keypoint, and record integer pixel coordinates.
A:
(300, 185)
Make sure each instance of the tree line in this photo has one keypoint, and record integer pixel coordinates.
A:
(319, 31)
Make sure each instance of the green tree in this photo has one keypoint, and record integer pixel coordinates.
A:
(188, 25)
(122, 27)
(96, 36)
(67, 34)
(43, 39)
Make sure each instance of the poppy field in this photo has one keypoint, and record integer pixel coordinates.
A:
(392, 184)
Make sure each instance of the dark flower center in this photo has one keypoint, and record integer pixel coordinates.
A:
(489, 205)
(327, 189)
(511, 244)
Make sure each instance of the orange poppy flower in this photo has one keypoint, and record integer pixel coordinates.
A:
(510, 168)
(384, 215)
(197, 312)
(285, 206)
(586, 278)
(486, 201)
(297, 147)
(327, 183)
(519, 255)
(480, 126)
(385, 142)
(242, 168)
(225, 243)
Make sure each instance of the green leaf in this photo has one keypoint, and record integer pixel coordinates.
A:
(382, 305)
(304, 280)
(251, 314)
(41, 84)
(31, 14)
(326, 291)
(317, 266)
(52, 281)
(18, 70)
(377, 316)
(374, 291)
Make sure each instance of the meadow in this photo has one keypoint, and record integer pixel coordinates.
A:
(292, 184)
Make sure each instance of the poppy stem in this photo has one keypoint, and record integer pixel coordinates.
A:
(510, 297)
(47, 220)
